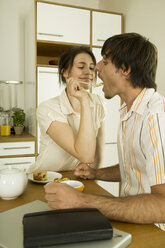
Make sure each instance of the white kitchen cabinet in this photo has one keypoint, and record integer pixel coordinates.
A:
(18, 154)
(110, 158)
(47, 87)
(17, 148)
(19, 162)
(47, 84)
(110, 155)
(111, 187)
(105, 25)
(64, 24)
(112, 108)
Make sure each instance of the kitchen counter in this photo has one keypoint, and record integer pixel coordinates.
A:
(17, 138)
(143, 236)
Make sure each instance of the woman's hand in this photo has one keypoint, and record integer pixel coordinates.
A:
(62, 196)
(75, 90)
(85, 171)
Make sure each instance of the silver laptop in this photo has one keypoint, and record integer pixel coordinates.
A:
(11, 230)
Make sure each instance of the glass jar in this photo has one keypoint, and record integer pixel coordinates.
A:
(5, 124)
(1, 117)
(11, 113)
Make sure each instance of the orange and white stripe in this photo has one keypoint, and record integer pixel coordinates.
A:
(141, 144)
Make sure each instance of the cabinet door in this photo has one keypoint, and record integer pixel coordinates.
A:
(47, 84)
(104, 25)
(20, 163)
(64, 24)
(112, 108)
(47, 87)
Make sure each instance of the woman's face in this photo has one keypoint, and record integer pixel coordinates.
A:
(83, 70)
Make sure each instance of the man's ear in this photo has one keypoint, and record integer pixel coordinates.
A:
(125, 71)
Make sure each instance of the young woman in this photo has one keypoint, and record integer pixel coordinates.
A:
(72, 124)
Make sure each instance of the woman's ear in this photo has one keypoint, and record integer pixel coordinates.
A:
(65, 73)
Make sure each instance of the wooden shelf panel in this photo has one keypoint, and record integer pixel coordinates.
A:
(47, 50)
(44, 60)
(17, 138)
(53, 49)
(46, 65)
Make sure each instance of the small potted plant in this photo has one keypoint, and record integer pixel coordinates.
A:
(18, 121)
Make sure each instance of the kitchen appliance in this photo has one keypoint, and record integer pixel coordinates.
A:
(12, 94)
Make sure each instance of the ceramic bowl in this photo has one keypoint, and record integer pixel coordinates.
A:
(12, 183)
(75, 184)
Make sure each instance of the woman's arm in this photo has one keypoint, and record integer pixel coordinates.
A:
(83, 144)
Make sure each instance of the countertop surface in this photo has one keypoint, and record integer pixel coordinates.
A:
(147, 236)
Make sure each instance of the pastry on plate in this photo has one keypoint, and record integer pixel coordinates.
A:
(59, 180)
(40, 175)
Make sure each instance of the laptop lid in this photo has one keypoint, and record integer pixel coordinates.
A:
(11, 230)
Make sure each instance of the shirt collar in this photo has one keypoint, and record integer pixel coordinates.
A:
(66, 107)
(138, 105)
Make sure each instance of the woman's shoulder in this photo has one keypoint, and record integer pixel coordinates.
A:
(50, 102)
(49, 105)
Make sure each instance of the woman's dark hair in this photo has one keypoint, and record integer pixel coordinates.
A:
(67, 58)
(131, 50)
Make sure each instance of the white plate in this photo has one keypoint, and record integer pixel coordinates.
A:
(51, 175)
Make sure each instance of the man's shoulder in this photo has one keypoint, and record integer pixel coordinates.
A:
(156, 103)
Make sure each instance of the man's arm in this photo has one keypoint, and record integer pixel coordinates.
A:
(142, 209)
(111, 173)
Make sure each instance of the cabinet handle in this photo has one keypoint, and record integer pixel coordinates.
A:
(56, 35)
(100, 40)
(48, 72)
(17, 163)
(110, 143)
(13, 148)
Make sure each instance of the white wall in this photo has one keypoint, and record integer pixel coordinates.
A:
(12, 39)
(146, 17)
(12, 15)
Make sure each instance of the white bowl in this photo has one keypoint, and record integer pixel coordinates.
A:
(75, 184)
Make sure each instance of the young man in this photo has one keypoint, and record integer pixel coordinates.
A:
(128, 69)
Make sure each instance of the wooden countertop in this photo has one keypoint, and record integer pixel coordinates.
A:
(17, 138)
(143, 236)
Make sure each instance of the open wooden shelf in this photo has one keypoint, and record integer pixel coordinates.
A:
(48, 50)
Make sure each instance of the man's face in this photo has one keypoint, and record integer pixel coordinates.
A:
(111, 77)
